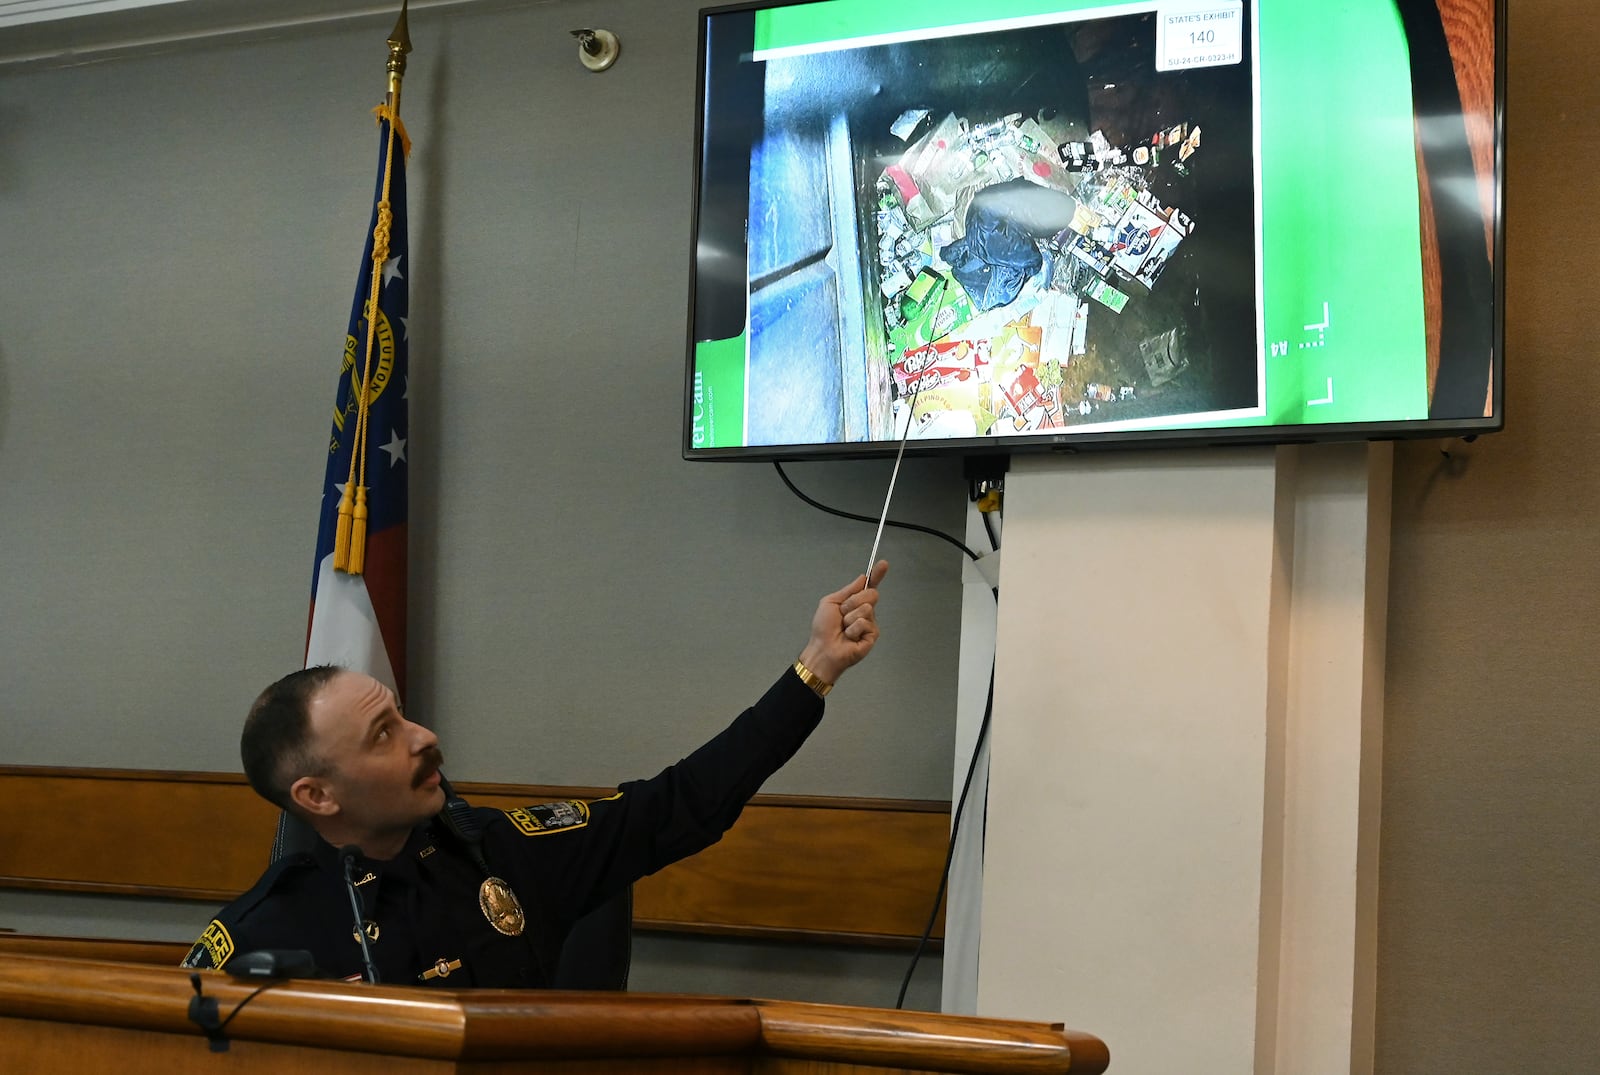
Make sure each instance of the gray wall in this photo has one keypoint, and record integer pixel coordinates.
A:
(178, 233)
(180, 230)
(1489, 892)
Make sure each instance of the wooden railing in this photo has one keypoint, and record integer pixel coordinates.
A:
(91, 1015)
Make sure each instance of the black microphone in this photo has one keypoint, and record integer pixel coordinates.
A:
(273, 963)
(457, 816)
(347, 857)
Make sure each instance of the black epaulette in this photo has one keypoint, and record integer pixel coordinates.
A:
(216, 946)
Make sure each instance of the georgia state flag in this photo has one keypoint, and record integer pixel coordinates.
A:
(358, 621)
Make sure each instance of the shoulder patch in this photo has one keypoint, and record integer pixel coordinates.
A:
(213, 949)
(546, 818)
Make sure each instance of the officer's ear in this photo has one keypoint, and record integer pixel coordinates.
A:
(313, 797)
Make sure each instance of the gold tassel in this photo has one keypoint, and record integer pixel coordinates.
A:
(358, 534)
(341, 534)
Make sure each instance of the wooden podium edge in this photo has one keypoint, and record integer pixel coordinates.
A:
(511, 1025)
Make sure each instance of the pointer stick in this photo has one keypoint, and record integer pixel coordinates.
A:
(887, 497)
(911, 404)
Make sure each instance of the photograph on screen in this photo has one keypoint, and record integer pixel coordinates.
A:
(1051, 232)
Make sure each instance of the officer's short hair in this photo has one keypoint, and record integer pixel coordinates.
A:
(275, 745)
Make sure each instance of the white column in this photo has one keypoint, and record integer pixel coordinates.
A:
(964, 897)
(1332, 762)
(1182, 801)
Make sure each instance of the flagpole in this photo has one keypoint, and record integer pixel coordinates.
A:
(399, 45)
(350, 536)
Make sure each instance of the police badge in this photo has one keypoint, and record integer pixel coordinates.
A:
(499, 905)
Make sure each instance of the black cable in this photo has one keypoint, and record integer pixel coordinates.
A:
(983, 728)
(950, 853)
(961, 802)
(919, 528)
(254, 994)
(988, 528)
(203, 1012)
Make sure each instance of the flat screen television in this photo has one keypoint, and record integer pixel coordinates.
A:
(1055, 225)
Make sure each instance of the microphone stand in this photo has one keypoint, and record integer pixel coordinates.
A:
(348, 857)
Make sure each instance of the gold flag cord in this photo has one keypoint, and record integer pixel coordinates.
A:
(350, 536)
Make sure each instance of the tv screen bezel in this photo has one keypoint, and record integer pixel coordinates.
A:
(1130, 439)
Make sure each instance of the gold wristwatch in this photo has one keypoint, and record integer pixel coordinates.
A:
(812, 680)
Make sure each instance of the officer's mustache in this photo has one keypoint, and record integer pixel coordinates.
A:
(432, 761)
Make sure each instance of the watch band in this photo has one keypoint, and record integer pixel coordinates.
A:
(812, 680)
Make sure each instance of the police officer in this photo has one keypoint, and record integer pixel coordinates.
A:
(483, 897)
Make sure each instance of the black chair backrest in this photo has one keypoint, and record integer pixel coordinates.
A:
(293, 835)
(597, 953)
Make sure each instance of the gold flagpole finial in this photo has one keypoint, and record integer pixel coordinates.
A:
(399, 45)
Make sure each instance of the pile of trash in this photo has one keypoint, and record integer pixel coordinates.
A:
(993, 241)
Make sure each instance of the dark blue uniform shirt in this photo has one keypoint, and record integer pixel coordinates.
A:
(422, 908)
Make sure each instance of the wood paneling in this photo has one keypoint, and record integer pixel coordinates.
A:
(159, 953)
(859, 871)
(31, 1045)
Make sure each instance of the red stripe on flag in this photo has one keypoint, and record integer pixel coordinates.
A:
(386, 586)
